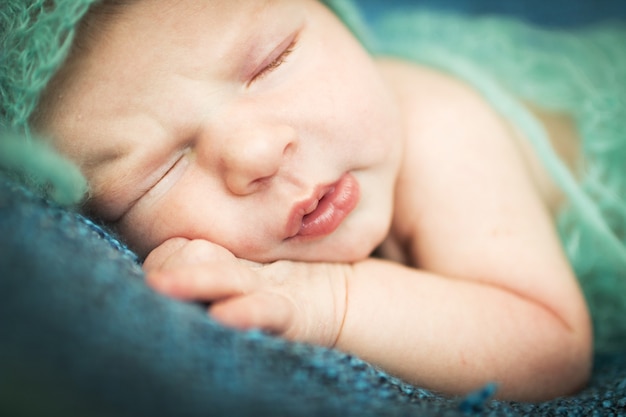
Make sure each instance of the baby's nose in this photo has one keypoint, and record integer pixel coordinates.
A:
(255, 156)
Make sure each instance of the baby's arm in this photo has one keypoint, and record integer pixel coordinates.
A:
(451, 335)
(494, 297)
(455, 335)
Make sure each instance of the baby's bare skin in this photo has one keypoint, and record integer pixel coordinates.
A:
(255, 181)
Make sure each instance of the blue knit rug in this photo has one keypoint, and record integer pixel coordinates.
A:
(81, 335)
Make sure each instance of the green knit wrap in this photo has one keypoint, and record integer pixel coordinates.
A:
(35, 38)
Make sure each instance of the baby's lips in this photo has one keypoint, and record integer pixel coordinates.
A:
(324, 212)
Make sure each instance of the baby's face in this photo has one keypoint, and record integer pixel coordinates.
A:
(261, 126)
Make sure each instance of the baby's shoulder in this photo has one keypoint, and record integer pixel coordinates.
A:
(459, 151)
(437, 107)
(423, 88)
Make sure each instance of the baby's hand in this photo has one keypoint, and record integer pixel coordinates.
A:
(296, 300)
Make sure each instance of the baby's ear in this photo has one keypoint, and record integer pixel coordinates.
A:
(38, 166)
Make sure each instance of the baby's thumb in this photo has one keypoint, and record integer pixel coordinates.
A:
(157, 258)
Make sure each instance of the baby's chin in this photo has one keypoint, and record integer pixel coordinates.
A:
(345, 248)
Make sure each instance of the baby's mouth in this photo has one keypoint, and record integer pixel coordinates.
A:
(326, 210)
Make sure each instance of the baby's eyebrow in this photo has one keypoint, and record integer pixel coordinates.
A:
(98, 159)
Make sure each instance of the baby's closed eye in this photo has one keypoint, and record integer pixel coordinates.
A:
(275, 59)
(144, 188)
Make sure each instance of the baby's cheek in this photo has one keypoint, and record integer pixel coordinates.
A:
(139, 237)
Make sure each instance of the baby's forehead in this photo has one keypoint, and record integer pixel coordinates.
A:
(229, 24)
(39, 36)
(214, 12)
(136, 56)
(141, 34)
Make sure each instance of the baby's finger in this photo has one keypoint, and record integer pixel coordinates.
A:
(266, 311)
(210, 281)
(159, 256)
(199, 251)
(195, 252)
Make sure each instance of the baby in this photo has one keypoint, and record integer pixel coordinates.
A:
(257, 155)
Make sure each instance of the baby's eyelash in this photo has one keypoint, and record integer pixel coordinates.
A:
(167, 173)
(281, 59)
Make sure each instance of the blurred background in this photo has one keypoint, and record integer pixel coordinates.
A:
(544, 12)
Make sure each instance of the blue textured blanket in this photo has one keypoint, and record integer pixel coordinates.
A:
(81, 335)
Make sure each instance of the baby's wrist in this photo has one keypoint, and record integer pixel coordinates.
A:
(341, 291)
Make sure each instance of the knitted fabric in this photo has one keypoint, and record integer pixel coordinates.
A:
(83, 336)
(35, 39)
(35, 164)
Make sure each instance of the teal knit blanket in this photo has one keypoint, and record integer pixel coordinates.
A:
(82, 335)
